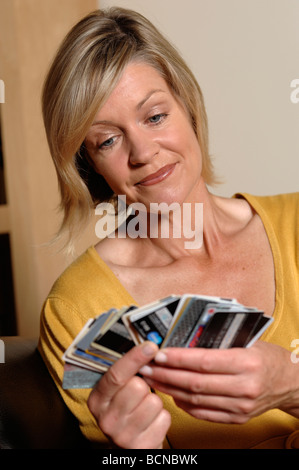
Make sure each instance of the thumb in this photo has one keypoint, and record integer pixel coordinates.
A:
(125, 368)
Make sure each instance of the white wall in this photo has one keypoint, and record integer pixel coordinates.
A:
(244, 53)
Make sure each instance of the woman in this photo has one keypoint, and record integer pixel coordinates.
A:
(125, 116)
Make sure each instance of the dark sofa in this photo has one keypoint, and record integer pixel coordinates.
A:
(32, 412)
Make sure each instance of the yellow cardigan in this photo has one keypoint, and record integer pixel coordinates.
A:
(88, 287)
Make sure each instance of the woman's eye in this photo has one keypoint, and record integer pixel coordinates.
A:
(108, 143)
(157, 118)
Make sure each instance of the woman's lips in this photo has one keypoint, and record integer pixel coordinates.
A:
(158, 176)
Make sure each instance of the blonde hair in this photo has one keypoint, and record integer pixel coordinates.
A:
(84, 72)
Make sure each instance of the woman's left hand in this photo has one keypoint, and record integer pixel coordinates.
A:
(227, 386)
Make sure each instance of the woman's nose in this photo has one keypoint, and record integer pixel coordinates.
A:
(143, 148)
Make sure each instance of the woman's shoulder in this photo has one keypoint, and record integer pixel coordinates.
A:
(279, 214)
(88, 286)
(277, 205)
(83, 274)
(117, 250)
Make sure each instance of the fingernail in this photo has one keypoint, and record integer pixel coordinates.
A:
(161, 357)
(149, 348)
(146, 370)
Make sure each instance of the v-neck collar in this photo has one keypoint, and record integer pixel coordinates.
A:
(253, 201)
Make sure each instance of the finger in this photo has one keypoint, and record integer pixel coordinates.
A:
(228, 361)
(137, 422)
(128, 398)
(151, 437)
(125, 368)
(193, 382)
(200, 400)
(154, 435)
(213, 415)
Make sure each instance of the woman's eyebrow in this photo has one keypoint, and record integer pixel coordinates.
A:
(107, 123)
(138, 107)
(147, 97)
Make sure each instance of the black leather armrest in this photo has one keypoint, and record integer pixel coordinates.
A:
(32, 412)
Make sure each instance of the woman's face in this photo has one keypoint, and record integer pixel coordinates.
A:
(142, 141)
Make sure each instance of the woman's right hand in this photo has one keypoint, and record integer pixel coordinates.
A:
(125, 408)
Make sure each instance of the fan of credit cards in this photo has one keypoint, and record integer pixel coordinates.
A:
(175, 321)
